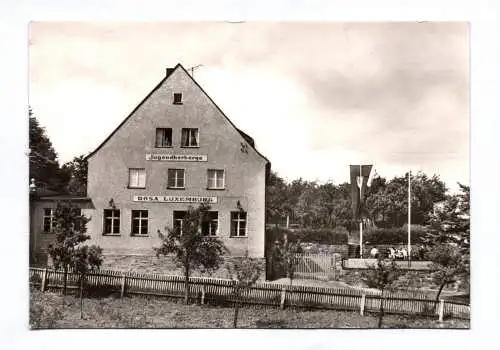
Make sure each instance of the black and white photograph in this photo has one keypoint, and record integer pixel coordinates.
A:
(249, 174)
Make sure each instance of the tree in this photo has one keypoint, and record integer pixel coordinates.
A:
(190, 248)
(289, 256)
(43, 163)
(448, 240)
(387, 202)
(277, 204)
(382, 276)
(86, 259)
(447, 265)
(77, 170)
(70, 228)
(244, 272)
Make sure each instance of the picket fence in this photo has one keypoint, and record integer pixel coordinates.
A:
(214, 290)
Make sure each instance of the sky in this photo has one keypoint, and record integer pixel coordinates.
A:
(315, 96)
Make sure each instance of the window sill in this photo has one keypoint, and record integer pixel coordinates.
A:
(216, 189)
(138, 235)
(136, 188)
(164, 147)
(238, 236)
(177, 103)
(190, 146)
(176, 188)
(111, 234)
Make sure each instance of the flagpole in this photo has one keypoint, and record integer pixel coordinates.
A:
(409, 218)
(360, 218)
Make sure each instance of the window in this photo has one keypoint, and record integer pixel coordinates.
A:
(137, 178)
(215, 179)
(210, 224)
(48, 219)
(111, 221)
(177, 98)
(139, 222)
(179, 219)
(189, 137)
(163, 137)
(175, 178)
(238, 223)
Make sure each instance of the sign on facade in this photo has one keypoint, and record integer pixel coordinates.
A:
(177, 157)
(175, 199)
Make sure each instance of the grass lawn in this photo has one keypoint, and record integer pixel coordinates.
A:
(46, 311)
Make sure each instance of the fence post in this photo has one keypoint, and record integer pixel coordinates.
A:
(122, 292)
(202, 294)
(441, 310)
(362, 306)
(283, 294)
(44, 279)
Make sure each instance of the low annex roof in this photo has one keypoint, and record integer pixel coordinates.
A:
(169, 73)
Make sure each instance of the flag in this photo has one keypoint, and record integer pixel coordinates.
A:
(357, 200)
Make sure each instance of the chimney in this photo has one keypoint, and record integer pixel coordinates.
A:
(169, 71)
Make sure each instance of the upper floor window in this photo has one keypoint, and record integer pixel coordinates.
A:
(111, 222)
(210, 224)
(163, 137)
(177, 98)
(238, 223)
(137, 178)
(215, 179)
(139, 222)
(48, 219)
(190, 137)
(179, 220)
(176, 178)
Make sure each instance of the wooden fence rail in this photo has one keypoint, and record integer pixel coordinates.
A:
(216, 290)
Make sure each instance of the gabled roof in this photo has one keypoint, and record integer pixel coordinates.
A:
(170, 71)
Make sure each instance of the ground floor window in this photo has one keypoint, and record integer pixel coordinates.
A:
(48, 220)
(179, 219)
(111, 222)
(210, 224)
(238, 223)
(139, 222)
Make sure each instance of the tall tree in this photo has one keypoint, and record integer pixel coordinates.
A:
(387, 203)
(189, 247)
(77, 172)
(43, 163)
(277, 205)
(448, 240)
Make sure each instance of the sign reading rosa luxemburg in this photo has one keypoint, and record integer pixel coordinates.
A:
(175, 199)
(177, 157)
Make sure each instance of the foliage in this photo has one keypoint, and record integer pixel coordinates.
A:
(320, 236)
(76, 171)
(245, 272)
(43, 163)
(394, 235)
(192, 250)
(288, 254)
(382, 277)
(388, 204)
(448, 240)
(70, 229)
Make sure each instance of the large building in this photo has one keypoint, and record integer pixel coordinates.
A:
(176, 149)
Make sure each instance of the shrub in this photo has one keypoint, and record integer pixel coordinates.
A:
(321, 236)
(278, 323)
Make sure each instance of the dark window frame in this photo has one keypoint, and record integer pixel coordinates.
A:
(112, 222)
(161, 134)
(175, 186)
(187, 137)
(236, 224)
(141, 216)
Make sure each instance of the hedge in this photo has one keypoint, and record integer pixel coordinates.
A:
(321, 236)
(398, 235)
